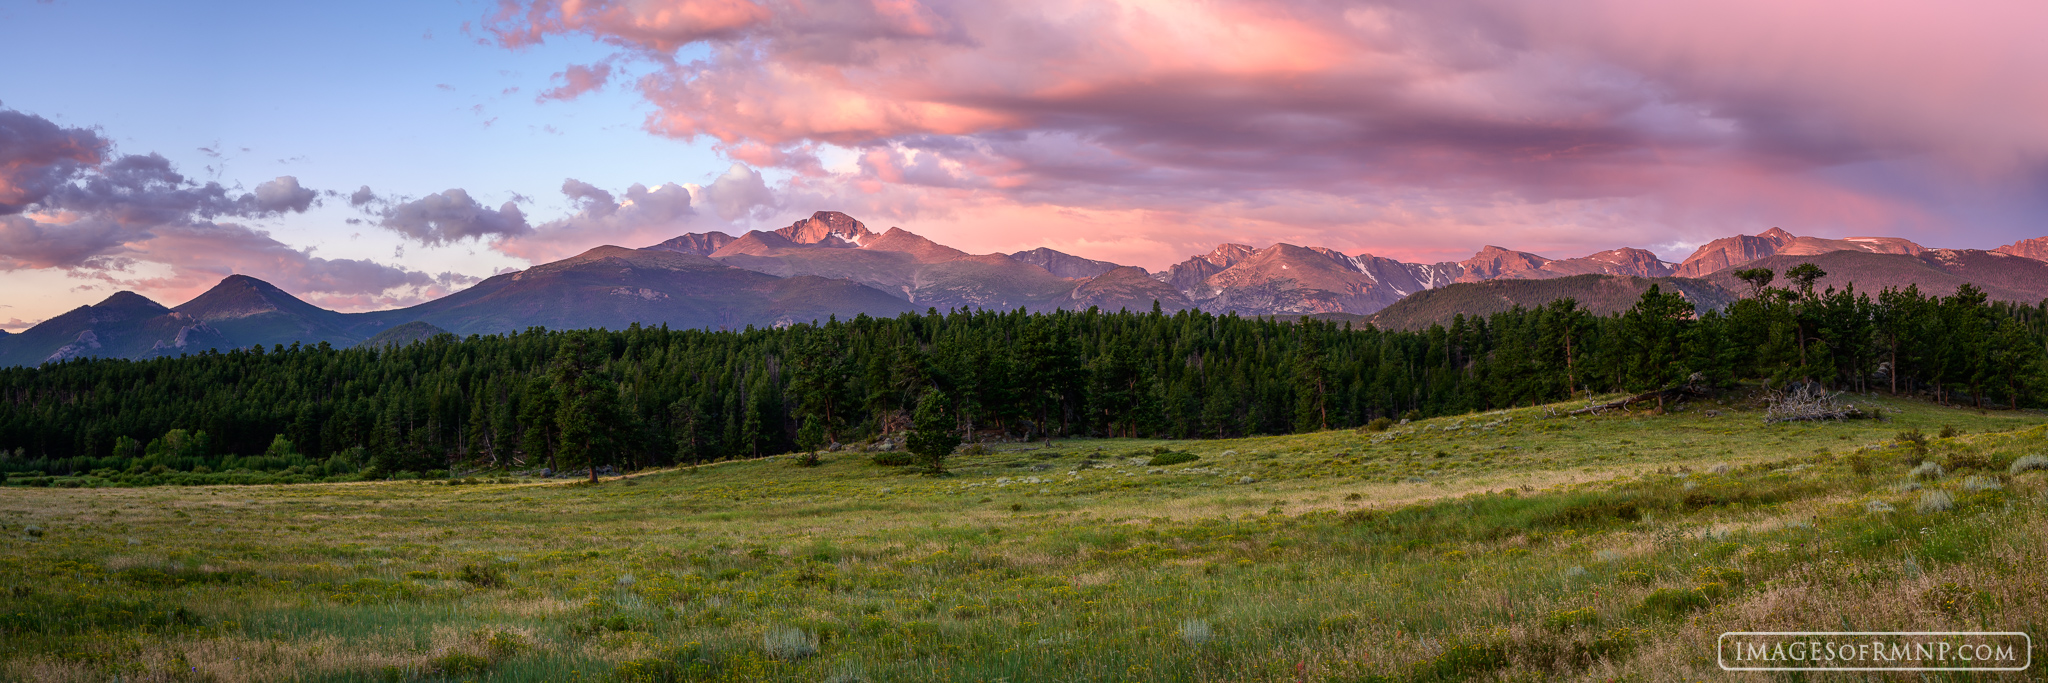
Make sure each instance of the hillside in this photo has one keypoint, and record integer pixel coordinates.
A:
(124, 325)
(403, 335)
(1065, 265)
(1509, 545)
(1937, 272)
(612, 286)
(253, 312)
(1600, 294)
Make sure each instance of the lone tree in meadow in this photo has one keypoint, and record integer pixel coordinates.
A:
(931, 431)
(809, 439)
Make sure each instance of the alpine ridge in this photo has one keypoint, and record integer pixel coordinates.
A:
(831, 264)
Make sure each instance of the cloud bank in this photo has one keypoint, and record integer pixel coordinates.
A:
(1395, 126)
(69, 202)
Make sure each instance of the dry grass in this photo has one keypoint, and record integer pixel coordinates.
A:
(1530, 539)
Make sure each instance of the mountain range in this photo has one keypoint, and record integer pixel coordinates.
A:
(833, 265)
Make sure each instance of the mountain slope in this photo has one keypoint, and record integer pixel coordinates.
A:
(1601, 294)
(1938, 272)
(2036, 248)
(124, 325)
(1063, 264)
(403, 335)
(699, 243)
(251, 311)
(614, 286)
(1729, 252)
(1126, 287)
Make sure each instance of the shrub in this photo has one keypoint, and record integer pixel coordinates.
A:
(502, 644)
(1950, 599)
(1171, 458)
(2029, 462)
(1950, 432)
(1195, 632)
(1378, 424)
(1463, 661)
(1721, 575)
(1977, 484)
(1566, 619)
(895, 459)
(648, 670)
(788, 644)
(458, 664)
(1928, 470)
(1935, 501)
(1958, 462)
(1672, 603)
(1861, 464)
(1915, 443)
(484, 576)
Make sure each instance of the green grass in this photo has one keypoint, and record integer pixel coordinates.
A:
(1519, 545)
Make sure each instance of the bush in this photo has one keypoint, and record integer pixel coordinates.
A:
(895, 459)
(1378, 424)
(1935, 501)
(1463, 661)
(648, 670)
(1958, 462)
(1950, 432)
(1566, 619)
(458, 664)
(1928, 470)
(484, 576)
(788, 644)
(1171, 458)
(1195, 632)
(2029, 462)
(1861, 464)
(1672, 603)
(1915, 443)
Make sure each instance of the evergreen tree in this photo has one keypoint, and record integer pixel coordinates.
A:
(932, 436)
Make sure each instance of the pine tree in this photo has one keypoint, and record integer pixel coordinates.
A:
(932, 436)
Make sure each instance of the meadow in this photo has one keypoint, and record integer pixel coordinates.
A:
(1524, 544)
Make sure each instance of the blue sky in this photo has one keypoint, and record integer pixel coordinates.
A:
(394, 95)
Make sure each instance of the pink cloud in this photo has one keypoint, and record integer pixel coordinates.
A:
(1405, 129)
(132, 221)
(577, 80)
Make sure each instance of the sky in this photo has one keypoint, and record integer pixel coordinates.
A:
(378, 154)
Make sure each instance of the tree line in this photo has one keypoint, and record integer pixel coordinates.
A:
(655, 396)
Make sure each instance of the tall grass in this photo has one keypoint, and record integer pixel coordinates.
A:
(1537, 547)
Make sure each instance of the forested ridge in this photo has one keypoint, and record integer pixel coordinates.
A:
(653, 396)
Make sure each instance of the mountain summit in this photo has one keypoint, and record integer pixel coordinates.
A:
(827, 229)
(831, 264)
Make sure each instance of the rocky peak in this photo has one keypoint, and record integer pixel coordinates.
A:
(1492, 262)
(2036, 249)
(827, 228)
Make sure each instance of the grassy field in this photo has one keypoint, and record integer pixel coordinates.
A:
(1515, 545)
